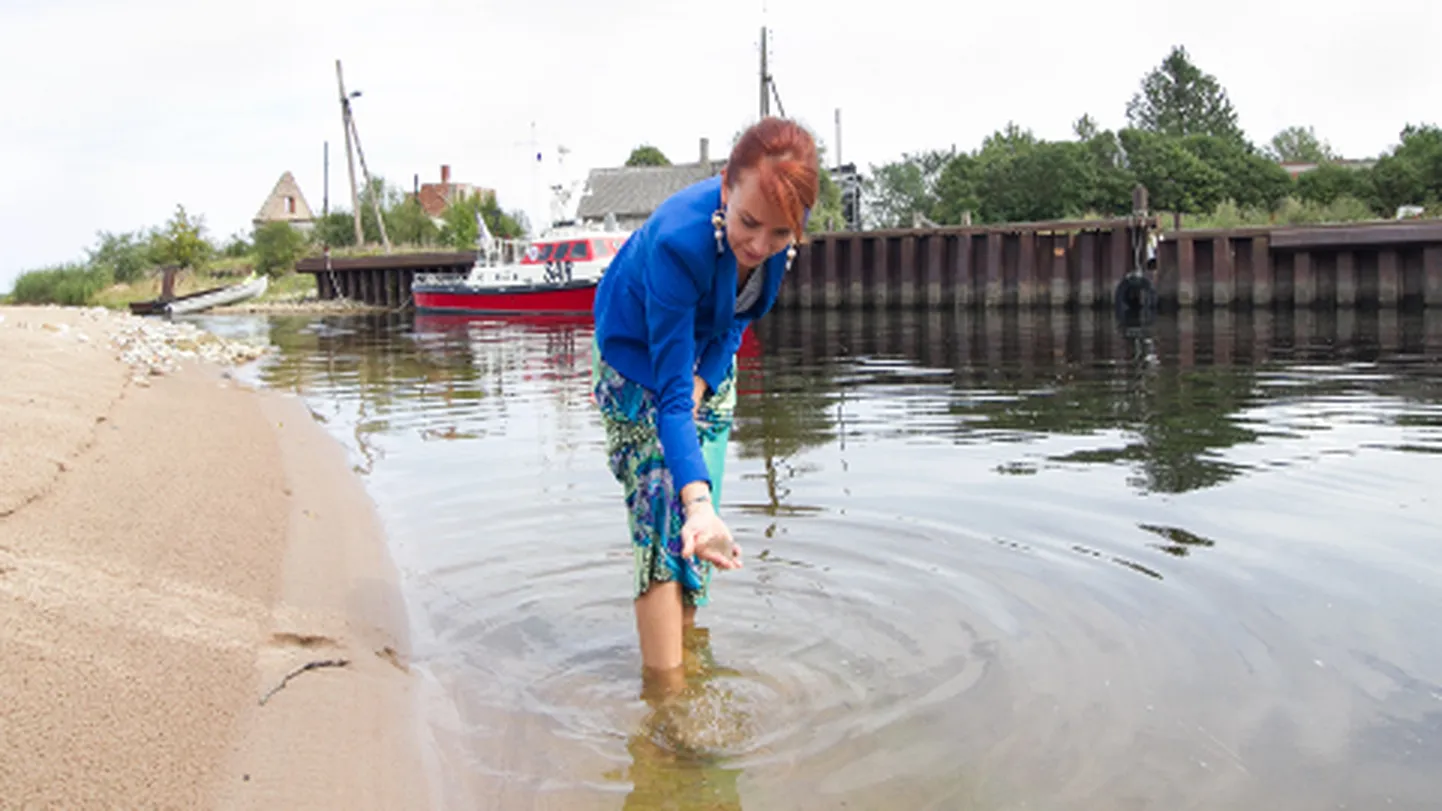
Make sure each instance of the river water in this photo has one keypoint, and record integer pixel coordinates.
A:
(1023, 561)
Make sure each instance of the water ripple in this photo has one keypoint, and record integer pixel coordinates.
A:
(1022, 562)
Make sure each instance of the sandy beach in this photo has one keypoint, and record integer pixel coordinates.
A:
(173, 546)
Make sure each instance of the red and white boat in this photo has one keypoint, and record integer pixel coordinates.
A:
(556, 273)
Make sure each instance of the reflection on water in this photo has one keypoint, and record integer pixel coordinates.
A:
(1000, 561)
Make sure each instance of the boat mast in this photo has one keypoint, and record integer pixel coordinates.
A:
(537, 213)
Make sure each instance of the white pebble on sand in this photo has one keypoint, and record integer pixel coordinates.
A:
(150, 347)
(153, 347)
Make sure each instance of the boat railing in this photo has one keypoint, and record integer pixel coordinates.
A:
(432, 277)
(502, 252)
(498, 253)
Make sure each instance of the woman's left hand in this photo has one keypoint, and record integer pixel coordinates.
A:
(698, 393)
(705, 536)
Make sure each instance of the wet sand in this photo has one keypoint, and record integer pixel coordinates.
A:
(172, 547)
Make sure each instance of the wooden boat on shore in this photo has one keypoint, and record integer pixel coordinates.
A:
(202, 300)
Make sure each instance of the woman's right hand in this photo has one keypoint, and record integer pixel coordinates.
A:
(705, 535)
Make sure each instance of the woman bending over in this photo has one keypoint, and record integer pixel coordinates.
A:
(670, 312)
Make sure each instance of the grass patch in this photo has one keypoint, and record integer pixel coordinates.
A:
(1290, 212)
(72, 285)
(352, 252)
(290, 287)
(231, 267)
(120, 296)
(81, 286)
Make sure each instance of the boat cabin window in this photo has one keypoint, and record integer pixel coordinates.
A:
(584, 250)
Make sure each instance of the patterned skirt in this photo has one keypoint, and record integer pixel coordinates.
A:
(653, 507)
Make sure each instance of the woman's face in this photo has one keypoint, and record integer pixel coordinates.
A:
(756, 229)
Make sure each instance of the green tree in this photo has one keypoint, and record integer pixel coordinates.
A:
(898, 191)
(336, 229)
(1021, 179)
(1085, 128)
(459, 230)
(126, 256)
(388, 196)
(1412, 173)
(1329, 182)
(1016, 177)
(409, 224)
(957, 190)
(827, 214)
(1176, 98)
(182, 241)
(236, 248)
(1176, 179)
(1299, 145)
(277, 247)
(647, 155)
(1248, 178)
(1110, 193)
(501, 224)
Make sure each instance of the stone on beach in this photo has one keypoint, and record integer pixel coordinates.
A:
(155, 347)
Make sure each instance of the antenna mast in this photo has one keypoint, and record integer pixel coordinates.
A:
(536, 214)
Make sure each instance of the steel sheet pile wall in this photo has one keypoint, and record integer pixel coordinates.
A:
(1335, 267)
(1071, 265)
(1028, 265)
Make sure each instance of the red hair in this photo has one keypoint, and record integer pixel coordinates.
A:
(784, 154)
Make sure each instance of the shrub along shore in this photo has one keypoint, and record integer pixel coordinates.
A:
(122, 268)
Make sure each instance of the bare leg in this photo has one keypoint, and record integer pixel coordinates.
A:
(659, 617)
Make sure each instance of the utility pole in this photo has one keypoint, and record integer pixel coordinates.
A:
(325, 202)
(353, 134)
(765, 78)
(839, 161)
(768, 83)
(349, 156)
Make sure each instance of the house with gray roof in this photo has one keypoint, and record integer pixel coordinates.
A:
(631, 193)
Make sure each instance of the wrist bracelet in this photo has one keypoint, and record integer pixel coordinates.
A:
(704, 497)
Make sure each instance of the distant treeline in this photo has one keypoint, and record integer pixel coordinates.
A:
(1183, 144)
(272, 249)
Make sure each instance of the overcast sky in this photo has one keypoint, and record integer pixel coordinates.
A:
(117, 111)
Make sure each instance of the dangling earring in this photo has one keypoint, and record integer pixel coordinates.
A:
(790, 255)
(718, 219)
